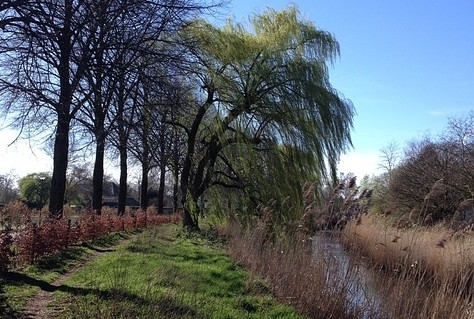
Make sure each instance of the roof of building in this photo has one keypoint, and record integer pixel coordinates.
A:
(112, 201)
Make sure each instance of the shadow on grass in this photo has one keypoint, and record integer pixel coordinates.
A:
(99, 249)
(60, 261)
(64, 259)
(166, 306)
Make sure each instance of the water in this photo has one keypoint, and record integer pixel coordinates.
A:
(349, 275)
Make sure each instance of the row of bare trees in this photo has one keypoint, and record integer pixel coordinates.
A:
(101, 73)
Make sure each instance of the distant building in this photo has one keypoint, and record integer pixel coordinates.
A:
(112, 201)
(110, 197)
(110, 189)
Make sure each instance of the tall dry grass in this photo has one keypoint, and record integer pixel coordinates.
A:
(369, 270)
(316, 283)
(313, 278)
(429, 271)
(385, 273)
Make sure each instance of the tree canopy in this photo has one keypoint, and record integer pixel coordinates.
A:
(34, 189)
(266, 118)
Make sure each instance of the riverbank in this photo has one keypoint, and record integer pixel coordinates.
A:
(305, 275)
(167, 273)
(329, 275)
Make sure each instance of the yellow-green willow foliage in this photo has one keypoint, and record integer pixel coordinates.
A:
(269, 119)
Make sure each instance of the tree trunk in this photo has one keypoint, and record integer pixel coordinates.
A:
(144, 202)
(188, 198)
(58, 180)
(175, 191)
(190, 212)
(175, 161)
(98, 175)
(188, 221)
(122, 195)
(61, 141)
(161, 188)
(122, 135)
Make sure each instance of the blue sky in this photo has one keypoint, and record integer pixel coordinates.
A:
(406, 66)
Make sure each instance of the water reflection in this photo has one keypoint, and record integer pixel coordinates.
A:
(348, 275)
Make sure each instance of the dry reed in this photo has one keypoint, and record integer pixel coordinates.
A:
(298, 275)
(437, 262)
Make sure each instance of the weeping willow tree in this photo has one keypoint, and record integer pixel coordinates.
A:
(266, 118)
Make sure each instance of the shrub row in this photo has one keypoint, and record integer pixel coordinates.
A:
(35, 239)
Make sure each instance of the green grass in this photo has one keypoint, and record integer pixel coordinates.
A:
(163, 273)
(20, 285)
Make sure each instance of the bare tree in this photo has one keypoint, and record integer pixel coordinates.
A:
(41, 75)
(175, 100)
(389, 158)
(79, 184)
(100, 80)
(177, 152)
(145, 138)
(8, 189)
(428, 163)
(58, 55)
(8, 15)
(128, 37)
(459, 142)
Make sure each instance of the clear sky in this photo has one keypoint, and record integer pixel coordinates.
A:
(407, 66)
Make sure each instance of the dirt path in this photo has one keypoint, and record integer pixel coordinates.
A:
(37, 307)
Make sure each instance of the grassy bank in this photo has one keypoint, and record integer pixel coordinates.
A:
(163, 273)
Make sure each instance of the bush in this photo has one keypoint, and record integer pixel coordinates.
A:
(36, 237)
(6, 252)
(432, 179)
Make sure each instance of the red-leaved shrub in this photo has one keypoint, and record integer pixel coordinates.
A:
(39, 236)
(6, 253)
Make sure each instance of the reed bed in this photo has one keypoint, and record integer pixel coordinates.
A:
(427, 269)
(388, 273)
(314, 282)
